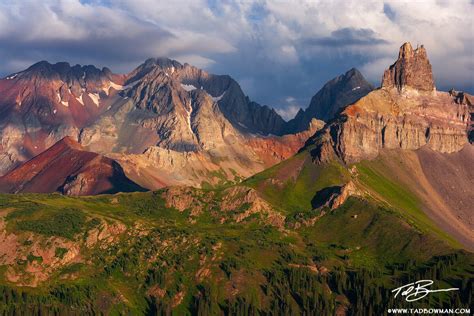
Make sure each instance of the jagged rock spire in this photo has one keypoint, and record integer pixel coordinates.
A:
(412, 69)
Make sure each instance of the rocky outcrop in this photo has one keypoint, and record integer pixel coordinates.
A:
(243, 202)
(397, 116)
(67, 168)
(467, 100)
(333, 197)
(236, 204)
(335, 95)
(412, 69)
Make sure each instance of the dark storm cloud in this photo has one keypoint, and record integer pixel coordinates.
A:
(347, 37)
(118, 52)
(389, 11)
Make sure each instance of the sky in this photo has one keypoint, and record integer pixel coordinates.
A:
(281, 52)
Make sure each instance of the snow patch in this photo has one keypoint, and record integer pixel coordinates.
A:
(241, 124)
(190, 112)
(95, 98)
(111, 84)
(80, 100)
(131, 84)
(188, 87)
(54, 112)
(116, 86)
(65, 103)
(12, 77)
(356, 88)
(217, 99)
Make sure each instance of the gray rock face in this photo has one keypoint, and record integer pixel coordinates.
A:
(244, 114)
(467, 100)
(331, 99)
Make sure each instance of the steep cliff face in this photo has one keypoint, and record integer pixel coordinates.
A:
(467, 100)
(331, 99)
(406, 113)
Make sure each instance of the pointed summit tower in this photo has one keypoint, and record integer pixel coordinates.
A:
(412, 69)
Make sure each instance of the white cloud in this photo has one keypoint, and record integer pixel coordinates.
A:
(375, 68)
(290, 99)
(195, 60)
(288, 112)
(290, 109)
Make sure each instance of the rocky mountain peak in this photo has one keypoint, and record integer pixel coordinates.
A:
(412, 69)
(335, 95)
(153, 65)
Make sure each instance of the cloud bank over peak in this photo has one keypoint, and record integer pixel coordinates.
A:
(275, 49)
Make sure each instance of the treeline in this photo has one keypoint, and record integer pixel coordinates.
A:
(300, 291)
(61, 300)
(286, 290)
(370, 294)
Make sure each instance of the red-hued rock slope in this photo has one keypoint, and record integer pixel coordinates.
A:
(67, 168)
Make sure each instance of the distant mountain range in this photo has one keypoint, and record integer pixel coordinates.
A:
(164, 122)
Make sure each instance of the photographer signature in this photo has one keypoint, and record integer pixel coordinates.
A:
(417, 290)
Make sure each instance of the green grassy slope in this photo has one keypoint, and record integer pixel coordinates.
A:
(140, 256)
(296, 182)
